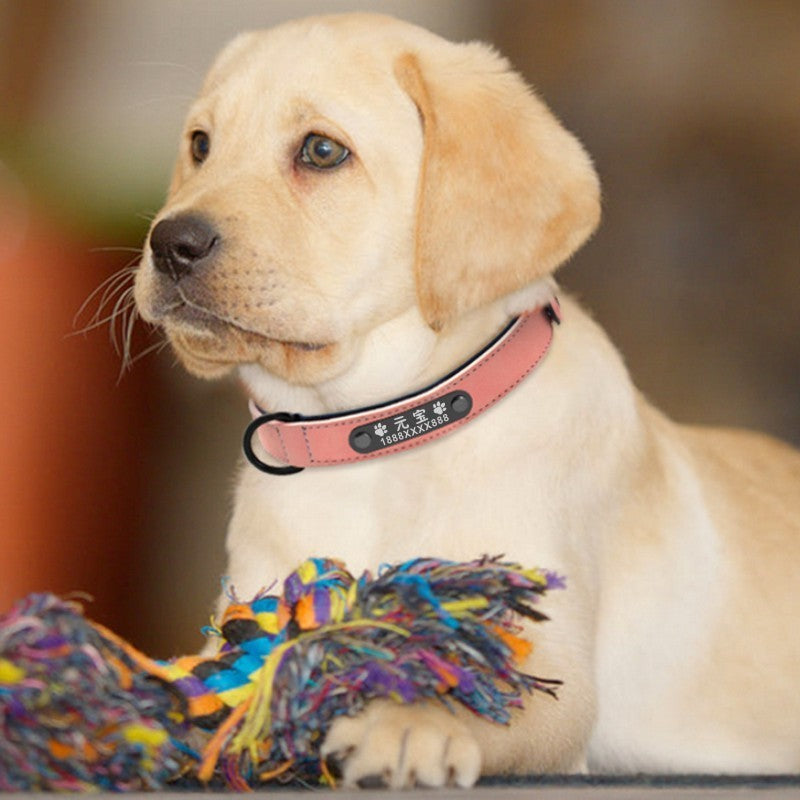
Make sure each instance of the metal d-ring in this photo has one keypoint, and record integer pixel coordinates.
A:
(247, 444)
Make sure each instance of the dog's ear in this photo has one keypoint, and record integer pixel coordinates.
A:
(505, 193)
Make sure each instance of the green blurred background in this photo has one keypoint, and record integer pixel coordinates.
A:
(120, 487)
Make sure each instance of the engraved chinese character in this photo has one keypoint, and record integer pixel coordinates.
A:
(419, 416)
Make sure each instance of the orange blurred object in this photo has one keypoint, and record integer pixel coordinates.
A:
(72, 437)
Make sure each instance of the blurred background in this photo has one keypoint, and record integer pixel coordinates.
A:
(119, 486)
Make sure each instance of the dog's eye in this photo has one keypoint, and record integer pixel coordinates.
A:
(201, 144)
(321, 152)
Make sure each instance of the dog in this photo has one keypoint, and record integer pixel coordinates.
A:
(359, 208)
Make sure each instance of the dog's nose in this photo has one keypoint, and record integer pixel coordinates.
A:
(180, 243)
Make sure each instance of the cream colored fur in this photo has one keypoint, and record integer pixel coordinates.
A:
(677, 638)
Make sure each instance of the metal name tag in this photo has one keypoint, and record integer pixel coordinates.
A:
(415, 422)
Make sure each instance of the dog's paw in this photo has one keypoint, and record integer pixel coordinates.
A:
(403, 746)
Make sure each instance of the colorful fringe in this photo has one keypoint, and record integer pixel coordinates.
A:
(289, 664)
(77, 713)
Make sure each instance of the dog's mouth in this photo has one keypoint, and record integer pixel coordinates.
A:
(192, 318)
(211, 340)
(210, 344)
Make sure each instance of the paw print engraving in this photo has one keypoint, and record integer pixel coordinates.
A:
(439, 407)
(380, 429)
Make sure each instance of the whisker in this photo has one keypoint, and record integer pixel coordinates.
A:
(121, 285)
(127, 361)
(111, 279)
(116, 308)
(157, 347)
(94, 325)
(138, 250)
(105, 291)
(125, 303)
(122, 339)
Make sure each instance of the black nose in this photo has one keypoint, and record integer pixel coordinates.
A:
(180, 243)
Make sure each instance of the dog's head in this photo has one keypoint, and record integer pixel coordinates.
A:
(336, 172)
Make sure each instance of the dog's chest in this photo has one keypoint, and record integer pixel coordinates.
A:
(437, 501)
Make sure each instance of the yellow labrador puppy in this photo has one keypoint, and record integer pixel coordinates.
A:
(358, 209)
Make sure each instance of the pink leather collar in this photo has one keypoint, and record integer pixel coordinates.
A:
(298, 442)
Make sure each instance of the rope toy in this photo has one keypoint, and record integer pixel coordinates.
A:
(81, 709)
(76, 711)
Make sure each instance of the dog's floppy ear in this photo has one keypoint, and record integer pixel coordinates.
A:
(505, 195)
